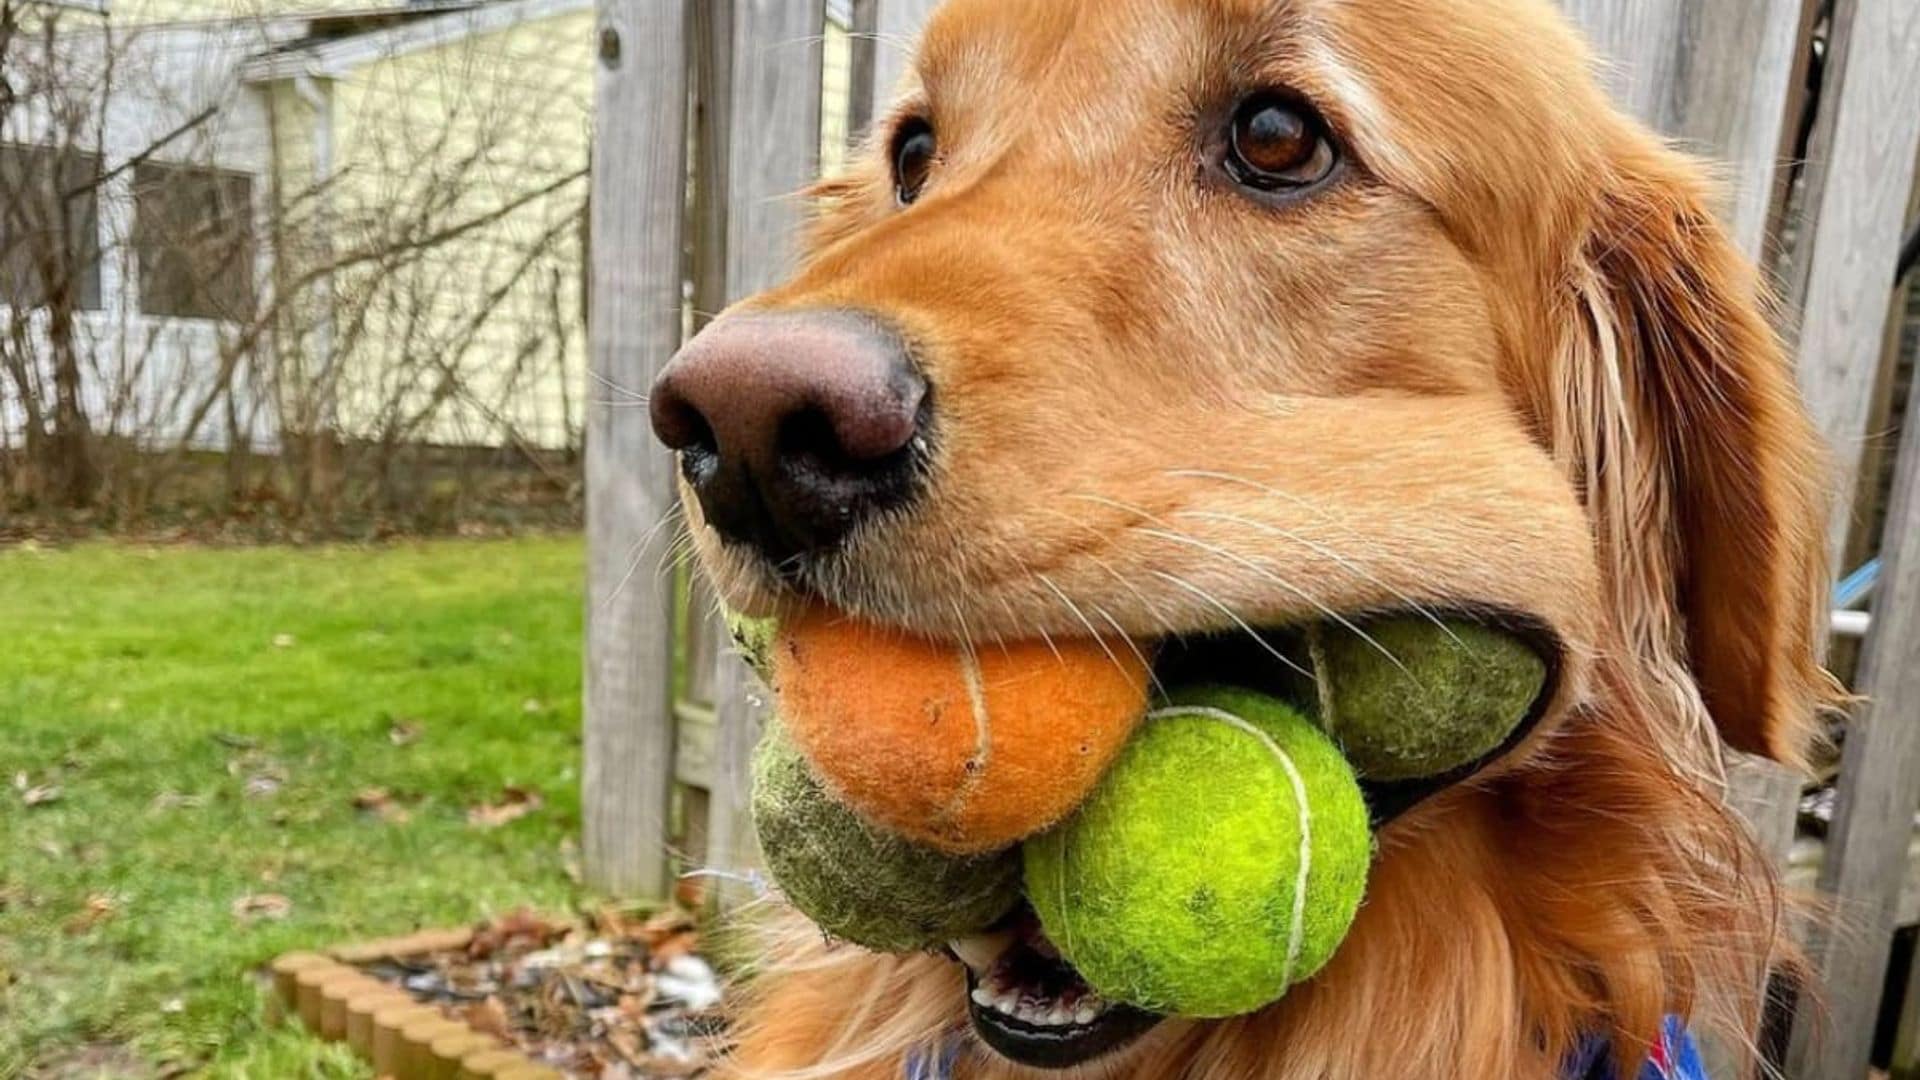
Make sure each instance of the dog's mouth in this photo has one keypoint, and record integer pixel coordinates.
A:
(1030, 1006)
(1028, 1003)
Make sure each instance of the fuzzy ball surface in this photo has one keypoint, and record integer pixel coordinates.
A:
(1413, 698)
(1220, 862)
(861, 884)
(964, 751)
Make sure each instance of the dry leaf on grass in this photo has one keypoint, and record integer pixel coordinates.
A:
(405, 732)
(257, 906)
(513, 804)
(174, 800)
(40, 795)
(380, 801)
(98, 909)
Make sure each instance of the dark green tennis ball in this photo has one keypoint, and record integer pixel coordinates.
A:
(857, 882)
(1417, 697)
(754, 638)
(1219, 862)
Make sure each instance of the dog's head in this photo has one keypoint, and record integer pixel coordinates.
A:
(1175, 319)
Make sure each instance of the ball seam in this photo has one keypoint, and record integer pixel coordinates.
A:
(975, 685)
(1296, 931)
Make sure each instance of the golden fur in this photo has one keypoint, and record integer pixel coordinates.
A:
(1508, 360)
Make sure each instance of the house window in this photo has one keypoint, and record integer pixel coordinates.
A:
(49, 227)
(193, 230)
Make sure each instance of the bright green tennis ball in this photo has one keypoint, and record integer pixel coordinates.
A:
(1217, 864)
(1417, 698)
(857, 882)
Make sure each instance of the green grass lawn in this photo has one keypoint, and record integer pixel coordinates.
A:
(208, 717)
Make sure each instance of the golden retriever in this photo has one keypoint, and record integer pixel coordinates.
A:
(1168, 318)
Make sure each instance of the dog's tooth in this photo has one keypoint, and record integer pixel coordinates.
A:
(981, 951)
(1058, 1016)
(1087, 1015)
(982, 996)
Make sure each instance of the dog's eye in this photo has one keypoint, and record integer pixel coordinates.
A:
(1278, 144)
(913, 151)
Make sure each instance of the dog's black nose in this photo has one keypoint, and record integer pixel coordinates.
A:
(794, 427)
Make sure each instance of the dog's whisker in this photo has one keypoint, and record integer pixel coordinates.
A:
(1099, 638)
(1270, 575)
(1235, 616)
(1168, 532)
(1311, 545)
(625, 392)
(1152, 677)
(637, 553)
(1148, 607)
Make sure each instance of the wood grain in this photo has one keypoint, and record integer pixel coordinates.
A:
(773, 146)
(897, 27)
(1713, 74)
(1866, 858)
(1860, 174)
(639, 174)
(1860, 178)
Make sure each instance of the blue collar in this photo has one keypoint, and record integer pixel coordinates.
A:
(1676, 1058)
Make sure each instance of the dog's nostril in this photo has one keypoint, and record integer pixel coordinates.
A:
(794, 428)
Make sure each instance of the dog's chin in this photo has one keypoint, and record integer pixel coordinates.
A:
(1031, 1007)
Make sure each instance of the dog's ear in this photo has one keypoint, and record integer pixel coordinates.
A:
(1677, 410)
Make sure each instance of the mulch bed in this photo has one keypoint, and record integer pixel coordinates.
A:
(610, 996)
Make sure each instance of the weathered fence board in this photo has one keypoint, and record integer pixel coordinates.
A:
(1860, 180)
(1873, 821)
(634, 325)
(897, 26)
(773, 143)
(1716, 74)
(1859, 176)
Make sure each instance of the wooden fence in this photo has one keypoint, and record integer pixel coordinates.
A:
(710, 113)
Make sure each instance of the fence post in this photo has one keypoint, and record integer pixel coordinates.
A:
(634, 325)
(772, 130)
(1859, 181)
(897, 26)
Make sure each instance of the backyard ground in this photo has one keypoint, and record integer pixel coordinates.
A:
(213, 756)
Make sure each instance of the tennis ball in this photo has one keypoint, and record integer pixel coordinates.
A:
(1415, 697)
(754, 639)
(963, 751)
(857, 882)
(1219, 863)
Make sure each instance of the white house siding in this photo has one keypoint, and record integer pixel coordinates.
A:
(145, 374)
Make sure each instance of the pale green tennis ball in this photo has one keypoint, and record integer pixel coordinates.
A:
(1417, 698)
(861, 884)
(1217, 864)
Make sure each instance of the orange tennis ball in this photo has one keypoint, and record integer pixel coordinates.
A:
(964, 752)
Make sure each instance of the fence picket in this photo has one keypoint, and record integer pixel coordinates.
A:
(634, 323)
(1860, 178)
(772, 153)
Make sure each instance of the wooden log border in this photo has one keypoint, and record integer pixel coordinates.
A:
(403, 1038)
